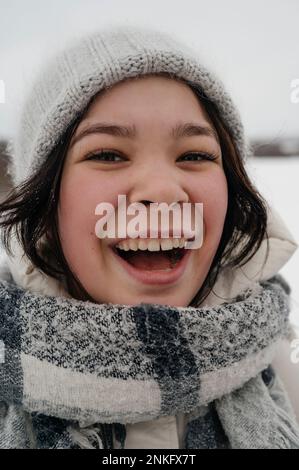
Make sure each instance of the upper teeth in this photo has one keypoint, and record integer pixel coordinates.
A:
(151, 245)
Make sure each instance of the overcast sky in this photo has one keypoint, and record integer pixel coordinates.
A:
(253, 46)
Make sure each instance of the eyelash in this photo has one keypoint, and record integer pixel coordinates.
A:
(203, 155)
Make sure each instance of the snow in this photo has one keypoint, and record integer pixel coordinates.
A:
(277, 180)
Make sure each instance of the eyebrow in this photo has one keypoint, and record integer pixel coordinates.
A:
(180, 130)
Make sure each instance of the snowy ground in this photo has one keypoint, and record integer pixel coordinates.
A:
(277, 179)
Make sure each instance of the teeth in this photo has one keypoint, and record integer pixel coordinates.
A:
(176, 242)
(166, 244)
(142, 245)
(125, 245)
(151, 245)
(181, 242)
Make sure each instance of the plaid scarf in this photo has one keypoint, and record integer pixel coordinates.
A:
(74, 373)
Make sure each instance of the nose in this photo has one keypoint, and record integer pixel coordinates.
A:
(157, 186)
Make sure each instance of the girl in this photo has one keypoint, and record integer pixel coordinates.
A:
(138, 343)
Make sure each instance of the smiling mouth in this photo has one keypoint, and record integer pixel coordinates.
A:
(152, 260)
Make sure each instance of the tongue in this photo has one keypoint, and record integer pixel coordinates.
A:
(150, 261)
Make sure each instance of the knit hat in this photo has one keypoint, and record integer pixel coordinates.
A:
(99, 60)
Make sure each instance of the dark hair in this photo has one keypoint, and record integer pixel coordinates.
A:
(245, 225)
(31, 209)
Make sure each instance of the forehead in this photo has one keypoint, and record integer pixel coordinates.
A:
(153, 96)
(146, 106)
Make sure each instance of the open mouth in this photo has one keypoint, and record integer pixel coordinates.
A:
(152, 260)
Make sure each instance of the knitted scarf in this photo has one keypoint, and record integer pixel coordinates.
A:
(75, 373)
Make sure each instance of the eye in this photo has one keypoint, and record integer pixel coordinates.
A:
(110, 156)
(199, 156)
(104, 155)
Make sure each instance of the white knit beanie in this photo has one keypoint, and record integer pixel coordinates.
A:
(68, 82)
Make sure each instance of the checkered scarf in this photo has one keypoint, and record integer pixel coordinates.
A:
(74, 373)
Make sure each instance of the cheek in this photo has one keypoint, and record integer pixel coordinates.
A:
(80, 192)
(75, 209)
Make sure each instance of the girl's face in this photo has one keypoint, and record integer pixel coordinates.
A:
(151, 165)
